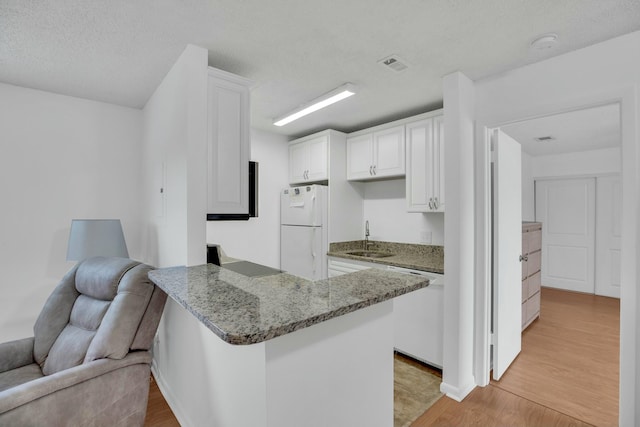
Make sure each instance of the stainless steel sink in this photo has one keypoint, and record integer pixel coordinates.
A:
(370, 254)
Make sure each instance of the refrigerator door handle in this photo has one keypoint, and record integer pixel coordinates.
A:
(313, 250)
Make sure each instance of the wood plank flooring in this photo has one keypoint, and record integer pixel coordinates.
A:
(159, 413)
(566, 375)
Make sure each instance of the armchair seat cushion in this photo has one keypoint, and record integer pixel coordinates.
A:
(19, 376)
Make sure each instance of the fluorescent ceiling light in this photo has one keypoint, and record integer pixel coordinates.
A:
(338, 94)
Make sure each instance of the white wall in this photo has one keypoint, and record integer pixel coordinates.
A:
(528, 189)
(584, 163)
(461, 220)
(60, 158)
(175, 159)
(175, 134)
(595, 162)
(385, 207)
(258, 239)
(603, 73)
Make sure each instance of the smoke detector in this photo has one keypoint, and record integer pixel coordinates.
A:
(393, 62)
(545, 41)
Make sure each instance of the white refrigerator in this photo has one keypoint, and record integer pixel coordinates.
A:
(303, 231)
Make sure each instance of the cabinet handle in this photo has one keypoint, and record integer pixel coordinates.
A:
(371, 170)
(374, 170)
(431, 203)
(523, 258)
(436, 204)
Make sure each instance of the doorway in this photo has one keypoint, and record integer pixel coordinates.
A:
(560, 190)
(581, 240)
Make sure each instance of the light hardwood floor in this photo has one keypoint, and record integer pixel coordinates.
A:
(566, 375)
(158, 412)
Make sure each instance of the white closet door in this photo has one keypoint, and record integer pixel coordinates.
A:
(507, 246)
(608, 216)
(566, 208)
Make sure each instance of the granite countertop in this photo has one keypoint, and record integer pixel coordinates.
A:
(407, 255)
(247, 310)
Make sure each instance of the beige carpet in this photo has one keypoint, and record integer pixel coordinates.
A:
(415, 389)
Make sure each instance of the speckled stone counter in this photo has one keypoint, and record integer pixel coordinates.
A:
(418, 257)
(245, 310)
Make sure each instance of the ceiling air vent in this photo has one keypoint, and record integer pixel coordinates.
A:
(393, 62)
(544, 138)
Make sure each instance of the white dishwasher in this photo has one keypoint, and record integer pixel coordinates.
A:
(418, 319)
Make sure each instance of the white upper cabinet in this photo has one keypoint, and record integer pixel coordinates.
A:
(375, 155)
(425, 165)
(360, 157)
(228, 143)
(308, 159)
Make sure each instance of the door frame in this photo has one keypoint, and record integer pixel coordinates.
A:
(626, 98)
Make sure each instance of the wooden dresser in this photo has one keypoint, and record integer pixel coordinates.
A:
(531, 254)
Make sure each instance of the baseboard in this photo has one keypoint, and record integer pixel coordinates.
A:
(179, 413)
(456, 393)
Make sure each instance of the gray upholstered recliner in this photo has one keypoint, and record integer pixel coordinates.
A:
(88, 363)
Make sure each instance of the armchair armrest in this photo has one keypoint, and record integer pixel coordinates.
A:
(16, 354)
(49, 385)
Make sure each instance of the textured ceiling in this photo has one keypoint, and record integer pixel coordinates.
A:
(589, 129)
(118, 51)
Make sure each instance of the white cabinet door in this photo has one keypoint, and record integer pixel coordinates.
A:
(419, 324)
(228, 144)
(425, 165)
(388, 152)
(419, 180)
(360, 157)
(308, 160)
(318, 149)
(298, 162)
(438, 164)
(376, 155)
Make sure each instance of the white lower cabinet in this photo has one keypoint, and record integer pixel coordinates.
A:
(419, 324)
(338, 267)
(418, 316)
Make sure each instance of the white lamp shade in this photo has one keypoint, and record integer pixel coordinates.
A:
(96, 237)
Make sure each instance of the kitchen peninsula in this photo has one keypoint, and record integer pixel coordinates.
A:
(291, 352)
